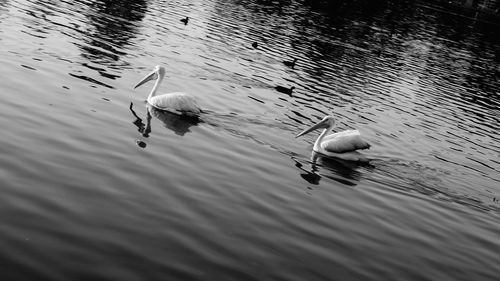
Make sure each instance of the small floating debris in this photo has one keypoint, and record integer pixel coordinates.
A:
(255, 45)
(140, 143)
(185, 21)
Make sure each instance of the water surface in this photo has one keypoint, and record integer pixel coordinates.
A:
(94, 188)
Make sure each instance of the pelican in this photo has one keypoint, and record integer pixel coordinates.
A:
(177, 102)
(343, 145)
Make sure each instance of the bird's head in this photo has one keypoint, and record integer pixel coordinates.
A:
(157, 73)
(326, 122)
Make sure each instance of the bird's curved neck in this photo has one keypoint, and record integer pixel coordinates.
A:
(155, 87)
(325, 132)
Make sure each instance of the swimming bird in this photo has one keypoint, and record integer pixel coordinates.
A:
(285, 90)
(185, 21)
(291, 63)
(343, 145)
(177, 102)
(255, 45)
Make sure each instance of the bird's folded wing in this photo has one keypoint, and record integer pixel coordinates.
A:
(176, 102)
(344, 143)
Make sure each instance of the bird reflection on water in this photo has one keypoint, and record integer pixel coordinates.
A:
(138, 122)
(180, 124)
(342, 171)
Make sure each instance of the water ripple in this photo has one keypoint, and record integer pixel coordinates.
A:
(99, 186)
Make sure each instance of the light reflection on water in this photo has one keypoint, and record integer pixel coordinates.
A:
(234, 195)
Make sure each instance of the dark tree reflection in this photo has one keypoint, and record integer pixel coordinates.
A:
(112, 24)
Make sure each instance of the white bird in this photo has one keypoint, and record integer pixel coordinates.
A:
(343, 145)
(177, 102)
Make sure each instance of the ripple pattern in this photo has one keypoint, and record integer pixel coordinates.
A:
(98, 187)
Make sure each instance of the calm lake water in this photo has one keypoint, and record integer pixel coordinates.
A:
(235, 196)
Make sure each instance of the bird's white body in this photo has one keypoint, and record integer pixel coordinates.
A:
(176, 102)
(343, 145)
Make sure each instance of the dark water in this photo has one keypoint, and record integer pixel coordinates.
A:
(95, 189)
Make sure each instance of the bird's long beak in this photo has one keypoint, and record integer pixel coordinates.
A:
(321, 125)
(151, 76)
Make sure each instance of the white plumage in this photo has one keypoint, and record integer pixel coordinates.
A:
(343, 145)
(176, 102)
